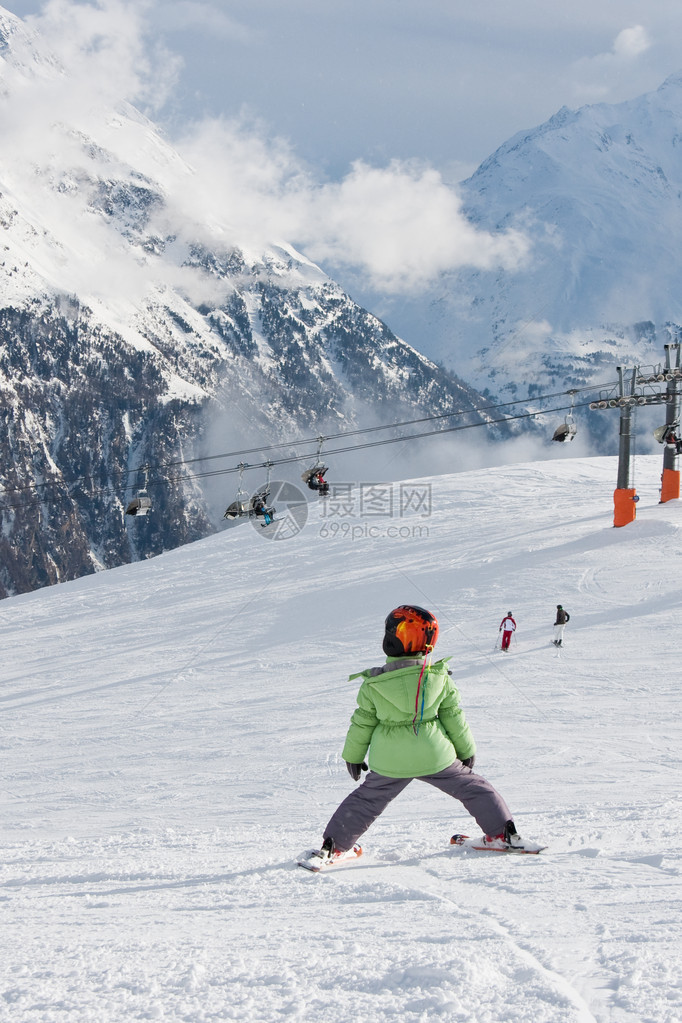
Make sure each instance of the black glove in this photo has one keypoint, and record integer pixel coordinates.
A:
(355, 770)
(470, 761)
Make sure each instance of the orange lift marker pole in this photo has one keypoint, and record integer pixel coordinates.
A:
(670, 485)
(625, 506)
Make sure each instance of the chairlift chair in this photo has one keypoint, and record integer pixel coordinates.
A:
(237, 509)
(259, 507)
(314, 476)
(668, 434)
(567, 430)
(142, 504)
(242, 503)
(258, 504)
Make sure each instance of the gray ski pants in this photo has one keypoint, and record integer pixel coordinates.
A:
(365, 803)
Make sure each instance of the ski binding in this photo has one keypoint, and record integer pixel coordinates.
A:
(316, 860)
(476, 845)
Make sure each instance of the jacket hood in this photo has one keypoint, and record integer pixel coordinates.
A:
(399, 686)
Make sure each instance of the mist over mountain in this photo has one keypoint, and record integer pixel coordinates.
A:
(135, 331)
(598, 193)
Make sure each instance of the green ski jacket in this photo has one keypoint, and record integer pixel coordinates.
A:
(383, 720)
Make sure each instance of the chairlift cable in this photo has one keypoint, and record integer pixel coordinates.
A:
(371, 444)
(161, 467)
(243, 466)
(392, 426)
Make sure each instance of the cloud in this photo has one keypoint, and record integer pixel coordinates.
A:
(400, 224)
(631, 42)
(65, 84)
(404, 225)
(596, 77)
(233, 184)
(194, 16)
(104, 50)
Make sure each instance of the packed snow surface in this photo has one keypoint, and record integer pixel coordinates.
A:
(171, 736)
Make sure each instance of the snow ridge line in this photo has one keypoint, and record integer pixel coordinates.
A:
(414, 877)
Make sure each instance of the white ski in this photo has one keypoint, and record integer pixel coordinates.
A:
(476, 845)
(316, 860)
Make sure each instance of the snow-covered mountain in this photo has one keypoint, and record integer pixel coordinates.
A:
(133, 333)
(598, 191)
(172, 734)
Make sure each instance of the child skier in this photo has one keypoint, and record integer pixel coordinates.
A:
(408, 717)
(507, 628)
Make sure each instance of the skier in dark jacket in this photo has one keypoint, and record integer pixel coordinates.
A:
(409, 721)
(560, 624)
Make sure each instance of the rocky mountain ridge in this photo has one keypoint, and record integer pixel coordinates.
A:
(128, 331)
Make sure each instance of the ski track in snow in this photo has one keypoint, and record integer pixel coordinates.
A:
(171, 737)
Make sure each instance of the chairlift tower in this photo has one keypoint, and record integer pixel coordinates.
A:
(636, 388)
(670, 480)
(625, 496)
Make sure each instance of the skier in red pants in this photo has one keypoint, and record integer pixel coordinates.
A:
(507, 628)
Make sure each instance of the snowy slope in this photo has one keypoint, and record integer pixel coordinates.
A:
(172, 732)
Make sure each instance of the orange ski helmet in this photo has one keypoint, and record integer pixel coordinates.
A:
(409, 630)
